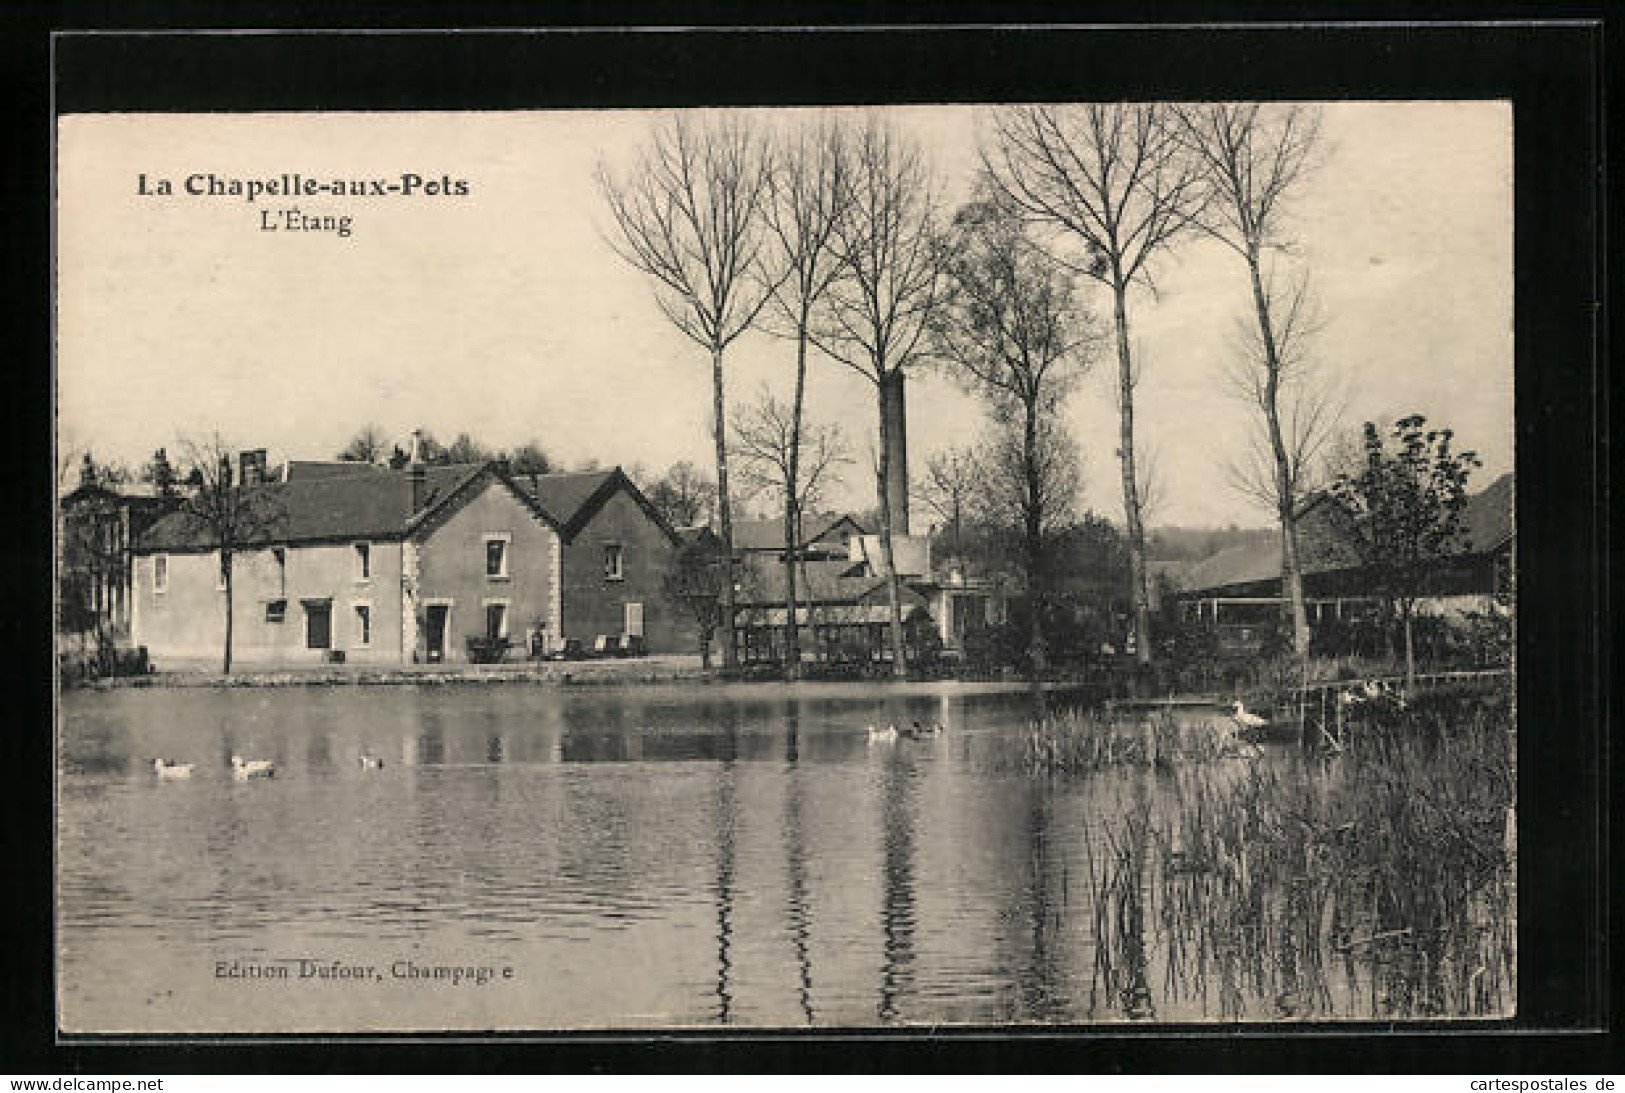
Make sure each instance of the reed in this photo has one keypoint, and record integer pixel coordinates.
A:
(1378, 883)
(1077, 742)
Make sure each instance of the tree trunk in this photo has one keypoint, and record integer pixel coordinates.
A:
(730, 653)
(792, 521)
(1033, 534)
(894, 597)
(1037, 653)
(225, 571)
(1297, 616)
(1138, 596)
(1410, 650)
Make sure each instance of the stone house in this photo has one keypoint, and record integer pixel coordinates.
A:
(381, 566)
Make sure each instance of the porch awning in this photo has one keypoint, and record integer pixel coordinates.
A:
(877, 614)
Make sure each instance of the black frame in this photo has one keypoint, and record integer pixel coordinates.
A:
(1552, 73)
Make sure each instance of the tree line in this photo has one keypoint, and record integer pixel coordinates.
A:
(832, 234)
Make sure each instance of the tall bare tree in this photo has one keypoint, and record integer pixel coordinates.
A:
(806, 190)
(1014, 333)
(876, 316)
(1116, 179)
(230, 515)
(1253, 156)
(688, 215)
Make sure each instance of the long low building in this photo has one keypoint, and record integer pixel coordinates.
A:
(420, 564)
(1241, 586)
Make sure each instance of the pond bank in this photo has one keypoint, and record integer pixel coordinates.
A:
(570, 673)
(665, 669)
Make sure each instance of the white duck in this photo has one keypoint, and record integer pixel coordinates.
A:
(1245, 718)
(371, 762)
(252, 768)
(164, 768)
(887, 734)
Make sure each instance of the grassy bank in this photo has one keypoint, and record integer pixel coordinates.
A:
(1378, 883)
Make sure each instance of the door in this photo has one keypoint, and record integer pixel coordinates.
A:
(318, 626)
(435, 635)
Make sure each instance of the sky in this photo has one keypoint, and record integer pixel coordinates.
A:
(505, 313)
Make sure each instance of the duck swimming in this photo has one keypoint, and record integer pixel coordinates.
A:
(371, 762)
(887, 734)
(253, 768)
(917, 731)
(165, 768)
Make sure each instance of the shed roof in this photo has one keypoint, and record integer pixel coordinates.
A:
(1487, 519)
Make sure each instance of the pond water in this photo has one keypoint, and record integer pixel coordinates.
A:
(536, 857)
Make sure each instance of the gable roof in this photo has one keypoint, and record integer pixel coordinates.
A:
(768, 533)
(1489, 516)
(313, 506)
(573, 499)
(304, 470)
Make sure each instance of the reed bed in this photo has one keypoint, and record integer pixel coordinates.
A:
(1378, 883)
(1082, 743)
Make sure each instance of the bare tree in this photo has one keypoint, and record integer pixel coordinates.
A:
(529, 458)
(368, 445)
(1307, 409)
(1014, 333)
(788, 459)
(876, 316)
(684, 496)
(806, 190)
(688, 217)
(1116, 179)
(1007, 498)
(465, 449)
(232, 516)
(1253, 156)
(766, 439)
(951, 480)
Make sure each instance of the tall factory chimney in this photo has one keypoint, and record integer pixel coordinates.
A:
(896, 454)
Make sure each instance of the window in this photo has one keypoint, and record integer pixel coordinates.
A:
(613, 570)
(281, 557)
(496, 555)
(276, 610)
(363, 561)
(160, 573)
(220, 571)
(634, 620)
(363, 625)
(496, 621)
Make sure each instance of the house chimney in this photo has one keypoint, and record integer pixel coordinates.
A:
(251, 467)
(414, 471)
(896, 453)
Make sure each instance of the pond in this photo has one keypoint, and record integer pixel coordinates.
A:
(547, 858)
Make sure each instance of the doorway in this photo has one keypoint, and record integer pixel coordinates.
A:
(319, 624)
(435, 618)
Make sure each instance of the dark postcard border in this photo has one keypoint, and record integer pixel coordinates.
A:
(1550, 72)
